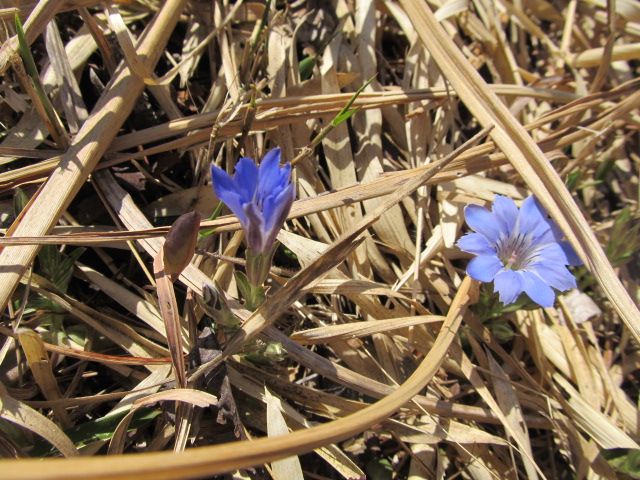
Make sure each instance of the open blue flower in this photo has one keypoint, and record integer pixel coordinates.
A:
(260, 197)
(519, 250)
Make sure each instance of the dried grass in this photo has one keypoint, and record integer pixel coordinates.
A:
(374, 355)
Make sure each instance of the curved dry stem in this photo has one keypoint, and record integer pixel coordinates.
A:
(223, 458)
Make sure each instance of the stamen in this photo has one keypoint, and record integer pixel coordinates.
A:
(515, 251)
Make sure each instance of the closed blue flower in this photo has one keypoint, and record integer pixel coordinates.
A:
(260, 197)
(519, 250)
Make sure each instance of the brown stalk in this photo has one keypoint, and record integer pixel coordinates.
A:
(40, 366)
(171, 317)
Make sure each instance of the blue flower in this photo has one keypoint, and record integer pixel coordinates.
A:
(260, 197)
(519, 250)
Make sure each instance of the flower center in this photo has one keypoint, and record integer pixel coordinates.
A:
(515, 251)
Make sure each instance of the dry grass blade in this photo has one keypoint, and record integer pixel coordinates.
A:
(360, 329)
(473, 375)
(35, 90)
(102, 358)
(175, 255)
(126, 43)
(70, 94)
(593, 57)
(286, 468)
(508, 401)
(185, 395)
(525, 156)
(276, 112)
(30, 131)
(141, 308)
(597, 425)
(120, 334)
(368, 386)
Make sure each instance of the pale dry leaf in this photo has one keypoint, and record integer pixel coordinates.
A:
(286, 468)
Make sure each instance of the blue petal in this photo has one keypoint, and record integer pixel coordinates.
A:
(222, 181)
(271, 158)
(555, 275)
(533, 219)
(537, 289)
(254, 232)
(509, 285)
(483, 221)
(246, 178)
(543, 235)
(285, 174)
(530, 214)
(270, 177)
(506, 212)
(558, 236)
(477, 244)
(227, 191)
(572, 257)
(279, 212)
(233, 202)
(484, 267)
(276, 207)
(552, 253)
